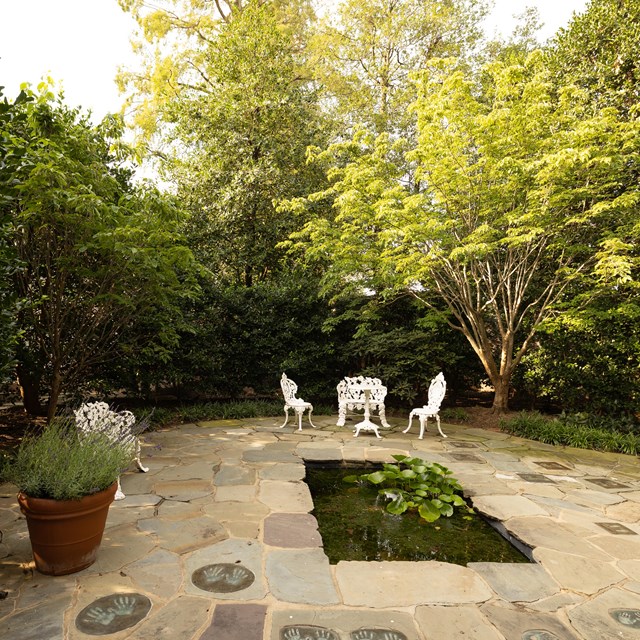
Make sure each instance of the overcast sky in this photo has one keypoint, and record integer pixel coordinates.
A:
(81, 43)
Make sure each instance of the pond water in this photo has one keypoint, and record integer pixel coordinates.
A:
(354, 525)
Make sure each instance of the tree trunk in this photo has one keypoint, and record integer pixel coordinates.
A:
(501, 395)
(54, 393)
(29, 383)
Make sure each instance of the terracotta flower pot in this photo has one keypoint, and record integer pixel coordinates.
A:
(65, 534)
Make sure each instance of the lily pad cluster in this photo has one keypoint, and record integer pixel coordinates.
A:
(416, 484)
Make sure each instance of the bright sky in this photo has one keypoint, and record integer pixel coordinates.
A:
(81, 43)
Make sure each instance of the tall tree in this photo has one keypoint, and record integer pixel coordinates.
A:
(12, 157)
(365, 53)
(598, 51)
(174, 44)
(516, 199)
(96, 253)
(241, 147)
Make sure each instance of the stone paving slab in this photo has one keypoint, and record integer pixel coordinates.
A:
(455, 623)
(183, 535)
(582, 575)
(237, 622)
(516, 582)
(506, 507)
(285, 472)
(159, 573)
(26, 624)
(402, 584)
(182, 617)
(244, 554)
(210, 537)
(285, 496)
(527, 625)
(544, 532)
(233, 474)
(291, 531)
(613, 614)
(300, 576)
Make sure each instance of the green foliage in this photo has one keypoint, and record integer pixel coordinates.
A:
(516, 200)
(364, 52)
(12, 157)
(403, 343)
(598, 51)
(588, 360)
(173, 43)
(230, 410)
(61, 464)
(456, 414)
(97, 254)
(577, 431)
(242, 139)
(414, 483)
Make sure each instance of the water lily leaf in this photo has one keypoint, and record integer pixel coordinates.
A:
(377, 477)
(398, 506)
(350, 479)
(446, 510)
(428, 511)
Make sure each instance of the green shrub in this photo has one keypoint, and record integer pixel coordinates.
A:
(454, 413)
(414, 483)
(578, 430)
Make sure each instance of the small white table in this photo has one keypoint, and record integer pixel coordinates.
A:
(366, 424)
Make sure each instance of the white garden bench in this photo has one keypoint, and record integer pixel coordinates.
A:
(437, 389)
(98, 417)
(351, 396)
(289, 390)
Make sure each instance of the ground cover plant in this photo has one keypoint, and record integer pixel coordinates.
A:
(415, 484)
(579, 430)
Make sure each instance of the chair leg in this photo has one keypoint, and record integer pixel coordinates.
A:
(439, 429)
(299, 411)
(342, 415)
(138, 461)
(423, 424)
(286, 417)
(119, 494)
(410, 421)
(383, 418)
(311, 423)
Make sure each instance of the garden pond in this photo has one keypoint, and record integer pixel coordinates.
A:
(354, 525)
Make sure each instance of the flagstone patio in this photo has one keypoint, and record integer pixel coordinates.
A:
(216, 542)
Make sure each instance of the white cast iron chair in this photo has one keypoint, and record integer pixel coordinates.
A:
(119, 426)
(437, 389)
(289, 390)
